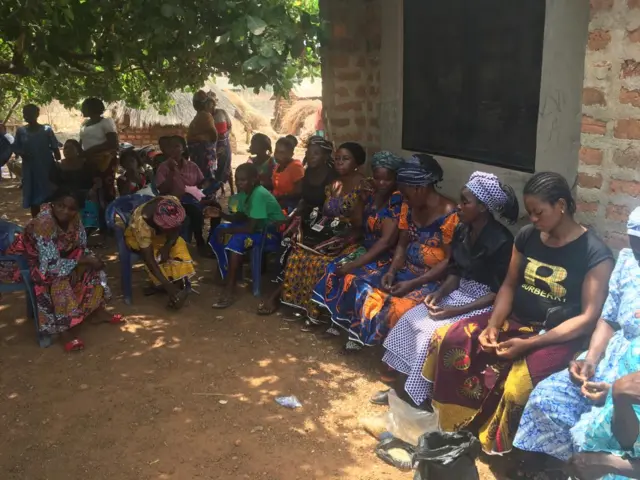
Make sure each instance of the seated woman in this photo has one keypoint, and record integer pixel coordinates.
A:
(262, 158)
(256, 208)
(562, 407)
(287, 176)
(202, 136)
(318, 175)
(608, 436)
(480, 254)
(73, 173)
(305, 267)
(133, 179)
(427, 222)
(69, 281)
(176, 176)
(154, 232)
(483, 368)
(381, 204)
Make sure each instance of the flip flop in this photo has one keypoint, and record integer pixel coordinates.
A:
(74, 345)
(177, 304)
(380, 398)
(117, 319)
(396, 453)
(350, 348)
(223, 303)
(264, 311)
(331, 333)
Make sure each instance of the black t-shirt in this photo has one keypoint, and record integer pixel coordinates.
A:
(485, 261)
(553, 277)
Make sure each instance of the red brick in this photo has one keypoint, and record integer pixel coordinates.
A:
(598, 40)
(628, 129)
(630, 97)
(627, 158)
(374, 91)
(340, 122)
(590, 156)
(361, 92)
(340, 61)
(593, 126)
(598, 6)
(339, 30)
(361, 62)
(617, 213)
(617, 241)
(586, 180)
(587, 207)
(360, 121)
(373, 122)
(626, 187)
(593, 96)
(342, 92)
(349, 106)
(630, 68)
(634, 35)
(633, 3)
(348, 75)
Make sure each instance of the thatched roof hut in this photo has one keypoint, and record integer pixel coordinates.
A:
(180, 113)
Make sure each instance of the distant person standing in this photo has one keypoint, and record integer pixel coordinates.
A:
(223, 148)
(6, 147)
(202, 136)
(39, 149)
(99, 139)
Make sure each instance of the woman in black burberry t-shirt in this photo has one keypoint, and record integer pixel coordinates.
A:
(484, 368)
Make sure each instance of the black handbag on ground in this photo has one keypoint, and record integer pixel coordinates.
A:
(446, 456)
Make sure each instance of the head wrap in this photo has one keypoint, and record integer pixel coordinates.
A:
(633, 225)
(386, 160)
(414, 173)
(321, 142)
(169, 214)
(486, 187)
(200, 96)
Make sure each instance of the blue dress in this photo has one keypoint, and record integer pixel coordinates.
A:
(556, 416)
(36, 148)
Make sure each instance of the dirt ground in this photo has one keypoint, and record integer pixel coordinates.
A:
(182, 395)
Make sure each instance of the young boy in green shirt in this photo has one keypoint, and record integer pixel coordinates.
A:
(255, 207)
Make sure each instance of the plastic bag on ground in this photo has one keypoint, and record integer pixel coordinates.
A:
(447, 455)
(408, 423)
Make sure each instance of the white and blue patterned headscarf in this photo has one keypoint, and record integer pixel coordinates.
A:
(486, 187)
(633, 224)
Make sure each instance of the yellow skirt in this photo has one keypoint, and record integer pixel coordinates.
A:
(178, 267)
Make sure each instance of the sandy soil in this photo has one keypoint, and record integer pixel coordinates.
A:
(182, 395)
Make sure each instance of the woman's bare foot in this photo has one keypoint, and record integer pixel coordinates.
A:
(591, 466)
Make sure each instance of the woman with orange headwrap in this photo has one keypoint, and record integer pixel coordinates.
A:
(154, 232)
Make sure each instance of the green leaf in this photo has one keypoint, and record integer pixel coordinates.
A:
(256, 25)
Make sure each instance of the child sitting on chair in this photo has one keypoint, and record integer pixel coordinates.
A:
(255, 208)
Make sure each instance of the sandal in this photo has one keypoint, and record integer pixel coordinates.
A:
(117, 319)
(223, 302)
(380, 398)
(264, 311)
(74, 345)
(351, 347)
(396, 453)
(177, 302)
(331, 332)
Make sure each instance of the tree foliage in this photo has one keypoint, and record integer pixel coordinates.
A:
(141, 50)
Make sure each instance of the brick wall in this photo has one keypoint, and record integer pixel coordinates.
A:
(608, 174)
(351, 72)
(141, 137)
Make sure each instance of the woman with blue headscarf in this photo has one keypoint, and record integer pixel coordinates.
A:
(382, 204)
(480, 256)
(427, 221)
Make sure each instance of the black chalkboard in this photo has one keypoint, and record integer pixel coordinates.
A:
(472, 73)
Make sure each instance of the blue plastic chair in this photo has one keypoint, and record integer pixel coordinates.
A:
(8, 232)
(257, 255)
(122, 208)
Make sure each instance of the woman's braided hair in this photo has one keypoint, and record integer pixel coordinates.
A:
(551, 187)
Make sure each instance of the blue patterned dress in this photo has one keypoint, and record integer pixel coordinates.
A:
(556, 415)
(36, 147)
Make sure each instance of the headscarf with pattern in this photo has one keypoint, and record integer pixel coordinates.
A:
(486, 187)
(325, 145)
(168, 214)
(385, 159)
(633, 225)
(416, 173)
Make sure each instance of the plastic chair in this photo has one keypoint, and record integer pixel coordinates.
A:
(8, 232)
(257, 255)
(122, 208)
